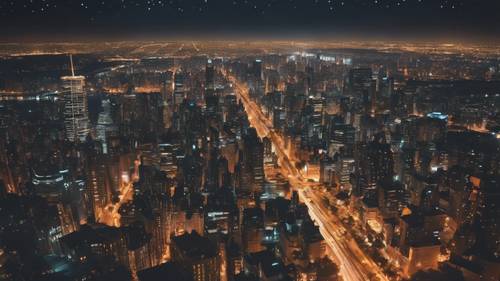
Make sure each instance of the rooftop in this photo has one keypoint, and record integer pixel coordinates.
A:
(194, 246)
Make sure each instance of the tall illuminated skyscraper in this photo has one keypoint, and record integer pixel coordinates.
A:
(75, 106)
(257, 69)
(210, 77)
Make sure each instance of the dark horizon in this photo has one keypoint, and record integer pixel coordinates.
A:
(459, 21)
(326, 35)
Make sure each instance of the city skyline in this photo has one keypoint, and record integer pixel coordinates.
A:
(249, 140)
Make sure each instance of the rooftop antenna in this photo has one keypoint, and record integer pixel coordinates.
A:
(72, 67)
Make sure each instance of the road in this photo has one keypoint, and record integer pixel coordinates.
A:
(109, 215)
(354, 264)
(264, 128)
(319, 211)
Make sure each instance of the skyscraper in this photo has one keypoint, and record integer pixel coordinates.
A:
(75, 106)
(253, 159)
(374, 163)
(209, 77)
(257, 69)
(197, 255)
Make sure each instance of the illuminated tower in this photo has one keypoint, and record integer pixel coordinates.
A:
(257, 69)
(75, 106)
(210, 77)
(211, 100)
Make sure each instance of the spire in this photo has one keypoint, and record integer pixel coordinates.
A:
(72, 67)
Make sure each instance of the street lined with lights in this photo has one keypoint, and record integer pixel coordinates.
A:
(354, 264)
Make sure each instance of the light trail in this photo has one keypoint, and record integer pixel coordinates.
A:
(349, 247)
(348, 269)
(109, 215)
(354, 264)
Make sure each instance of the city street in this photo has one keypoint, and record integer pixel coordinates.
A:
(354, 264)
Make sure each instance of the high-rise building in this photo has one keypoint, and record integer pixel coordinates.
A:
(198, 255)
(75, 106)
(362, 86)
(343, 168)
(463, 203)
(359, 81)
(489, 211)
(166, 271)
(166, 92)
(253, 230)
(342, 138)
(391, 198)
(374, 163)
(253, 160)
(105, 125)
(209, 77)
(179, 88)
(257, 69)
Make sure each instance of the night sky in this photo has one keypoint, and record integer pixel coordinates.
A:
(406, 18)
